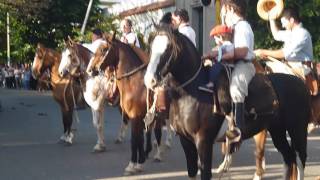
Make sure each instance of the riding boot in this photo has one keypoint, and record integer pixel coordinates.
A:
(235, 134)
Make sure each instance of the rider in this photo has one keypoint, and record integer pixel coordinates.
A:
(223, 36)
(128, 36)
(233, 14)
(297, 49)
(97, 40)
(180, 20)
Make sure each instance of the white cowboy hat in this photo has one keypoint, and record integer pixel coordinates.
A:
(269, 9)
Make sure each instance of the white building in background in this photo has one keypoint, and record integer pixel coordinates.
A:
(144, 12)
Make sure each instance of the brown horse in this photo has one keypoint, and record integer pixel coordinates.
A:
(129, 71)
(63, 89)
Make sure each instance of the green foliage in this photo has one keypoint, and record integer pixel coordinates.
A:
(310, 16)
(48, 22)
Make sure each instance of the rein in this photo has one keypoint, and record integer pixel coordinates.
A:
(132, 72)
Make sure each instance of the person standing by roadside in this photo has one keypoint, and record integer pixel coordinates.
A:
(180, 20)
(128, 36)
(96, 39)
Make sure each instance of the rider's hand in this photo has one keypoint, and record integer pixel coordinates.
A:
(206, 56)
(260, 53)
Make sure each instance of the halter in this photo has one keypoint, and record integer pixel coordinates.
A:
(44, 55)
(166, 66)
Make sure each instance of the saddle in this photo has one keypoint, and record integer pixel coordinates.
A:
(260, 104)
(262, 99)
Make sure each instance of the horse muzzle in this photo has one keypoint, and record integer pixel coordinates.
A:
(150, 81)
(63, 73)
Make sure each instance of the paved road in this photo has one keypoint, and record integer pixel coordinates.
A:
(30, 126)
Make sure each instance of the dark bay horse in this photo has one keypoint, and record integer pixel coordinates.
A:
(62, 88)
(129, 72)
(288, 105)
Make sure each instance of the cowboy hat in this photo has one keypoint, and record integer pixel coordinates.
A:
(269, 9)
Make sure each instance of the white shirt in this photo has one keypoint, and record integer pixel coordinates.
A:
(131, 39)
(94, 45)
(187, 30)
(297, 44)
(244, 37)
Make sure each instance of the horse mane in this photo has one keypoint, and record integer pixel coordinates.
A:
(128, 49)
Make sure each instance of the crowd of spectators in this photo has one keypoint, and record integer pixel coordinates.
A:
(17, 76)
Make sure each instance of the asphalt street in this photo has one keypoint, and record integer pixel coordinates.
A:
(31, 124)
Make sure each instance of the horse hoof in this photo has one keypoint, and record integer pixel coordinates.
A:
(257, 177)
(157, 160)
(138, 167)
(127, 173)
(118, 141)
(130, 169)
(98, 148)
(311, 127)
(67, 144)
(168, 144)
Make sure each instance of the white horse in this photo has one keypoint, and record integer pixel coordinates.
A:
(96, 90)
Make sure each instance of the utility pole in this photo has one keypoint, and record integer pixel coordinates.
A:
(86, 18)
(8, 40)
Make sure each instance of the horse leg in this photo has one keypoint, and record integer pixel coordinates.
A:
(148, 144)
(204, 146)
(190, 151)
(260, 141)
(169, 134)
(98, 123)
(141, 153)
(67, 123)
(123, 129)
(299, 142)
(278, 135)
(135, 165)
(158, 134)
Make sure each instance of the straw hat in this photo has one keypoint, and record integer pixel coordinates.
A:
(269, 9)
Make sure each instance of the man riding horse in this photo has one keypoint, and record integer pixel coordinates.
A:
(297, 49)
(233, 14)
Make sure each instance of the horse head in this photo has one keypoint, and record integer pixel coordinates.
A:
(40, 63)
(105, 56)
(69, 60)
(170, 52)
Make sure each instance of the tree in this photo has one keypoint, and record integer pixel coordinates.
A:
(45, 21)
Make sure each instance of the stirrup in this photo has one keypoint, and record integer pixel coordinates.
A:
(208, 90)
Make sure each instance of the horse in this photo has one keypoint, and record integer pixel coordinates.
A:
(75, 58)
(285, 98)
(63, 89)
(129, 71)
(276, 66)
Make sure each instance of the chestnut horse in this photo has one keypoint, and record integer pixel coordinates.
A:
(279, 108)
(129, 71)
(63, 89)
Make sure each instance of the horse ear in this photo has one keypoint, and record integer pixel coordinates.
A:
(70, 41)
(114, 35)
(39, 46)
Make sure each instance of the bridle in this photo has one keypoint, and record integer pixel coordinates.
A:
(125, 75)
